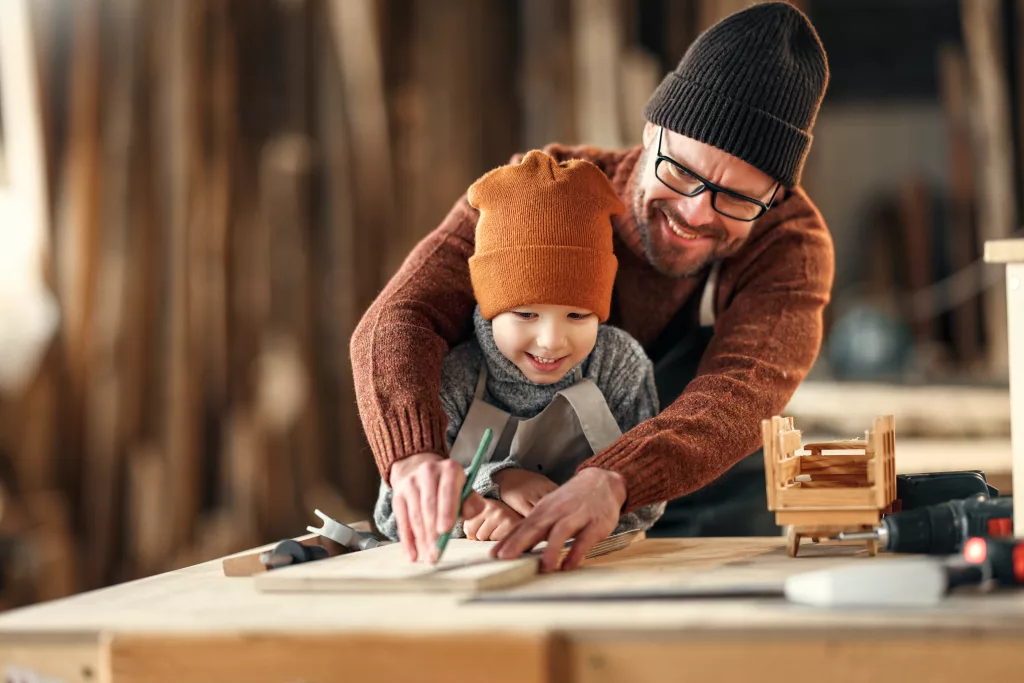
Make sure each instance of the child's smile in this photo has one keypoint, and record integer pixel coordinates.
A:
(543, 364)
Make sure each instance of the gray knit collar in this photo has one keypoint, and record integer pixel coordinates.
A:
(506, 383)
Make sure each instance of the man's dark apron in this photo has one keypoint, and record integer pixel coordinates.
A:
(736, 503)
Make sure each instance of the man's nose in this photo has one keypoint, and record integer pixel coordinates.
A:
(698, 210)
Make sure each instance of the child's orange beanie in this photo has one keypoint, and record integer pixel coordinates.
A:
(544, 236)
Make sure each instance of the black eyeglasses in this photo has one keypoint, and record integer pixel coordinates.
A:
(682, 180)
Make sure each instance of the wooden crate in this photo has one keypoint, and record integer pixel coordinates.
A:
(823, 488)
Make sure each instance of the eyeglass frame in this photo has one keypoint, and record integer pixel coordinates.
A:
(707, 185)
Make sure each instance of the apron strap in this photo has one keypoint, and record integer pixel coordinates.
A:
(481, 382)
(707, 299)
(593, 413)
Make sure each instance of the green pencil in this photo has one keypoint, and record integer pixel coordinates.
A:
(478, 459)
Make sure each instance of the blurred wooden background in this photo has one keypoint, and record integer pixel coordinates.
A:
(228, 183)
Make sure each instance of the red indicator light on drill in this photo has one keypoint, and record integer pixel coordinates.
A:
(975, 550)
(1018, 563)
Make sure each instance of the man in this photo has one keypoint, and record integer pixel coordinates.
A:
(725, 268)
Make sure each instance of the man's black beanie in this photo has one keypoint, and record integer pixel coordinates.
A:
(751, 86)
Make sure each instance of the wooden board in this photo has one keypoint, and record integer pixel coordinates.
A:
(465, 568)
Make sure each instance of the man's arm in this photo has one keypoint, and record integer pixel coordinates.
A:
(398, 346)
(765, 342)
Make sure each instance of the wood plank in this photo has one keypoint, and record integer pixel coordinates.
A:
(548, 96)
(832, 480)
(1004, 251)
(597, 45)
(788, 470)
(823, 465)
(523, 657)
(789, 443)
(1015, 319)
(179, 49)
(770, 450)
(847, 445)
(822, 517)
(931, 411)
(982, 26)
(386, 568)
(67, 659)
(795, 498)
(807, 657)
(962, 242)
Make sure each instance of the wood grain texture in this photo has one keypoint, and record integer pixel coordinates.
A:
(494, 657)
(67, 659)
(807, 658)
(465, 567)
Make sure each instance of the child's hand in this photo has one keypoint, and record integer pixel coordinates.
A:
(522, 490)
(493, 524)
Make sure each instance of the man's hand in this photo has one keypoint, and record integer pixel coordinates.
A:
(426, 489)
(522, 490)
(493, 524)
(585, 508)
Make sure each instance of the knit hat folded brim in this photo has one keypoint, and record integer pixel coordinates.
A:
(508, 278)
(753, 135)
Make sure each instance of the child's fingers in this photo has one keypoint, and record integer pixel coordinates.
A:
(503, 529)
(472, 527)
(487, 526)
(473, 506)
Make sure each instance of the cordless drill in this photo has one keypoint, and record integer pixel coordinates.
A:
(941, 529)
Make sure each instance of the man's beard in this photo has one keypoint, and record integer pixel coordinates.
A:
(666, 258)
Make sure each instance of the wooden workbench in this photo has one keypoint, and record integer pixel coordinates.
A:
(195, 624)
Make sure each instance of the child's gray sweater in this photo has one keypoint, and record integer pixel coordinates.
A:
(617, 365)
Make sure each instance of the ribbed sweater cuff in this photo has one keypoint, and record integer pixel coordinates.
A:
(402, 432)
(640, 467)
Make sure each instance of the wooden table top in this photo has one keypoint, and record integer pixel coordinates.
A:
(202, 599)
(196, 624)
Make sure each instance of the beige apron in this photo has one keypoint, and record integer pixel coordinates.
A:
(573, 427)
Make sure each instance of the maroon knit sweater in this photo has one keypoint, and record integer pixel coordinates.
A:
(768, 332)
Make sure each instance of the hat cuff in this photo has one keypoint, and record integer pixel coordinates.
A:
(764, 141)
(504, 279)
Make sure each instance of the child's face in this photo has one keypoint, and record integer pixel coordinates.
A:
(545, 340)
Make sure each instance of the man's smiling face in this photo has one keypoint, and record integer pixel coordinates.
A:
(681, 235)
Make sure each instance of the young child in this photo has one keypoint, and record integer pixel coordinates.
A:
(554, 384)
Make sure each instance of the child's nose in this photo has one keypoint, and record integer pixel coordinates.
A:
(551, 337)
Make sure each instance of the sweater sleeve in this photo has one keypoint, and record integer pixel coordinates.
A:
(766, 340)
(398, 346)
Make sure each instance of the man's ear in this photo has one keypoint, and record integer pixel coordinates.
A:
(650, 132)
